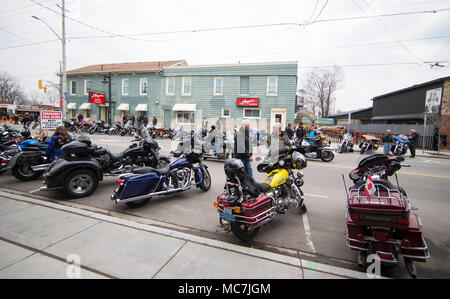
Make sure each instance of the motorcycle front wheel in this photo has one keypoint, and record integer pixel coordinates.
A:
(206, 181)
(242, 232)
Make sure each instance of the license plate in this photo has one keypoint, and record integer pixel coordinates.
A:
(228, 217)
(116, 189)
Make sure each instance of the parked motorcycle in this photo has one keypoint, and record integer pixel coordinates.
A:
(209, 149)
(70, 125)
(84, 164)
(137, 188)
(347, 143)
(246, 205)
(368, 143)
(97, 126)
(28, 157)
(115, 128)
(383, 223)
(36, 124)
(400, 145)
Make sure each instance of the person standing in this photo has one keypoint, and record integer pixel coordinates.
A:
(289, 131)
(300, 132)
(154, 121)
(133, 119)
(414, 138)
(277, 141)
(145, 119)
(387, 140)
(243, 148)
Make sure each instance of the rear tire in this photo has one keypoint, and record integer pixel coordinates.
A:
(80, 183)
(240, 232)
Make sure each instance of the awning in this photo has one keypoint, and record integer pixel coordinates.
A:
(124, 107)
(85, 106)
(72, 106)
(184, 107)
(141, 107)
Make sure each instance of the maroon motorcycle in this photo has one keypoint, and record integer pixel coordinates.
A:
(380, 219)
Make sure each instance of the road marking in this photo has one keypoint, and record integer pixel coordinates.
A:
(316, 195)
(308, 233)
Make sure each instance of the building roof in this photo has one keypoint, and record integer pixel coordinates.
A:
(352, 112)
(412, 87)
(126, 67)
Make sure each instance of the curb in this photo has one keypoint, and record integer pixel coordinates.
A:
(276, 257)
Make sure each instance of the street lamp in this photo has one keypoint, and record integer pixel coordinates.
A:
(63, 43)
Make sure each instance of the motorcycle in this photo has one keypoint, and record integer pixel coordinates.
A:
(83, 165)
(210, 150)
(318, 149)
(70, 125)
(368, 143)
(115, 128)
(29, 156)
(183, 174)
(347, 143)
(96, 126)
(401, 145)
(383, 222)
(246, 205)
(36, 124)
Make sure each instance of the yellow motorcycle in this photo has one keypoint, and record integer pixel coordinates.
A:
(246, 205)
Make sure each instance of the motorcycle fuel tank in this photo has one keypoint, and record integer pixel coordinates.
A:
(277, 177)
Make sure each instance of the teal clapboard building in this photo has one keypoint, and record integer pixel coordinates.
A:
(179, 94)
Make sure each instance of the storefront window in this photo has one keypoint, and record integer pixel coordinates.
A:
(252, 113)
(185, 117)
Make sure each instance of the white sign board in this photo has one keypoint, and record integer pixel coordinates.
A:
(51, 119)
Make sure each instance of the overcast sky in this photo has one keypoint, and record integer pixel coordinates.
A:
(378, 53)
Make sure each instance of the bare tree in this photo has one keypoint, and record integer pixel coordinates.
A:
(11, 91)
(320, 86)
(34, 98)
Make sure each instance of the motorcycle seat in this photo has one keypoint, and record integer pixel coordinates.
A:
(145, 170)
(115, 157)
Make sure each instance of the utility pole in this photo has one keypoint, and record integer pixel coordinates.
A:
(64, 74)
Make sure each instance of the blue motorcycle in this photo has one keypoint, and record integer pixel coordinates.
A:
(400, 145)
(137, 188)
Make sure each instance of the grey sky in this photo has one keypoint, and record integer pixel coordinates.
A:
(403, 42)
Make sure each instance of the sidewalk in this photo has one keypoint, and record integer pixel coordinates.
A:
(40, 239)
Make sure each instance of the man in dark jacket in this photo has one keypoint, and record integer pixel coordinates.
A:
(300, 132)
(414, 138)
(243, 148)
(289, 131)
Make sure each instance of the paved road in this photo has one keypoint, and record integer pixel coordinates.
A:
(319, 234)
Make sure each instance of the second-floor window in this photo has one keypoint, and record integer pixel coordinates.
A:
(218, 86)
(272, 85)
(125, 87)
(170, 86)
(187, 86)
(73, 87)
(87, 85)
(143, 86)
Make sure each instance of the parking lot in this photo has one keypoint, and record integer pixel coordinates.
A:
(319, 234)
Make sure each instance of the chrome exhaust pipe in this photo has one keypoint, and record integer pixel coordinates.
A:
(41, 167)
(130, 199)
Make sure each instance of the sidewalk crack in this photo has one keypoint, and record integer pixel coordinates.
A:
(169, 260)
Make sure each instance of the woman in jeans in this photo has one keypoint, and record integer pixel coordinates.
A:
(387, 140)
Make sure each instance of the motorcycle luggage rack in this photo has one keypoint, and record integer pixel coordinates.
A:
(377, 195)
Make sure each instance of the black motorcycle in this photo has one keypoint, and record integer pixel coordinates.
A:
(70, 125)
(115, 128)
(84, 164)
(30, 162)
(97, 126)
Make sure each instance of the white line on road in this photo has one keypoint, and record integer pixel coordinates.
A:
(308, 233)
(316, 195)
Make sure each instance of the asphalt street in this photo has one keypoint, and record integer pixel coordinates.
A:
(319, 234)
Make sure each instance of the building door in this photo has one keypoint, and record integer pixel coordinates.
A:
(103, 112)
(278, 115)
(167, 118)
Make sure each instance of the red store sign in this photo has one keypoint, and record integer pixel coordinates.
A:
(97, 97)
(248, 102)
